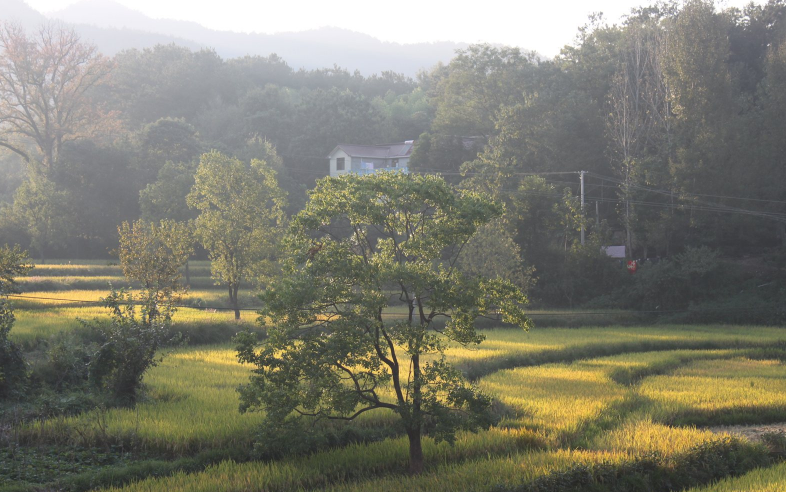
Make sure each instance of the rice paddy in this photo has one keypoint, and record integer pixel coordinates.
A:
(762, 480)
(596, 397)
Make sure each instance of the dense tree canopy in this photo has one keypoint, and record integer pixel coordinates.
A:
(241, 215)
(361, 246)
(676, 112)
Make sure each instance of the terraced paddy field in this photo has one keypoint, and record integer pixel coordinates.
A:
(593, 408)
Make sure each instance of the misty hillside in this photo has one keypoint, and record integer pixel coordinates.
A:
(114, 27)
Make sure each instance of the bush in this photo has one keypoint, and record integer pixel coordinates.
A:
(693, 276)
(129, 343)
(573, 277)
(12, 364)
(67, 362)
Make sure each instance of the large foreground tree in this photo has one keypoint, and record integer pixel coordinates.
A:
(362, 245)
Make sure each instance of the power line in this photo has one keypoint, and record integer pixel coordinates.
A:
(700, 205)
(656, 190)
(402, 315)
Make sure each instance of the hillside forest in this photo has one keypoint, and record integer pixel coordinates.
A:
(676, 115)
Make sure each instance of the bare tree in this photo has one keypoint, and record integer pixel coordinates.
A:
(45, 80)
(639, 106)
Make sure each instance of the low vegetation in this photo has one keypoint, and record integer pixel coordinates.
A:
(576, 407)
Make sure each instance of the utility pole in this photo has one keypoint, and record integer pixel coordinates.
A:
(581, 177)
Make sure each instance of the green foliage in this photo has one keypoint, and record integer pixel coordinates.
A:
(329, 355)
(241, 214)
(153, 254)
(129, 342)
(444, 153)
(691, 276)
(67, 362)
(470, 90)
(46, 211)
(13, 262)
(165, 198)
(492, 253)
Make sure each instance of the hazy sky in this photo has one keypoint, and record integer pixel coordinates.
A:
(542, 25)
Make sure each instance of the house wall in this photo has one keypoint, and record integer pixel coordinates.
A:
(379, 163)
(355, 164)
(348, 164)
(358, 161)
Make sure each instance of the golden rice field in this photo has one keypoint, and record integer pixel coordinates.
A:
(771, 479)
(192, 406)
(490, 458)
(40, 324)
(568, 398)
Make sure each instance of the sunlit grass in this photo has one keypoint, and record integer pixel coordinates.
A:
(506, 348)
(560, 400)
(40, 315)
(720, 392)
(451, 468)
(34, 325)
(192, 405)
(101, 267)
(212, 297)
(771, 479)
(574, 392)
(555, 397)
(484, 474)
(637, 437)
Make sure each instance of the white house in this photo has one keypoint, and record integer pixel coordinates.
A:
(367, 159)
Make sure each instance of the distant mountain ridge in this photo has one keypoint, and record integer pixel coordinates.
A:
(114, 27)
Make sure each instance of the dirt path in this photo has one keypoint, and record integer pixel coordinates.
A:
(752, 432)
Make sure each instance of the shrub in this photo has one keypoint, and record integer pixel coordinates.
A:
(12, 363)
(129, 343)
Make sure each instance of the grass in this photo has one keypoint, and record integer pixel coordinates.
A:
(381, 466)
(560, 400)
(572, 403)
(771, 479)
(340, 470)
(509, 348)
(191, 406)
(714, 392)
(34, 326)
(576, 403)
(92, 275)
(193, 403)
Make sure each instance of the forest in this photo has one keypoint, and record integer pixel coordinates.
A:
(676, 115)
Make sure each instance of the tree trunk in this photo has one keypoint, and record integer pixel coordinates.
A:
(233, 298)
(415, 451)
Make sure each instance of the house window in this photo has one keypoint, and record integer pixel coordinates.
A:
(395, 162)
(340, 164)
